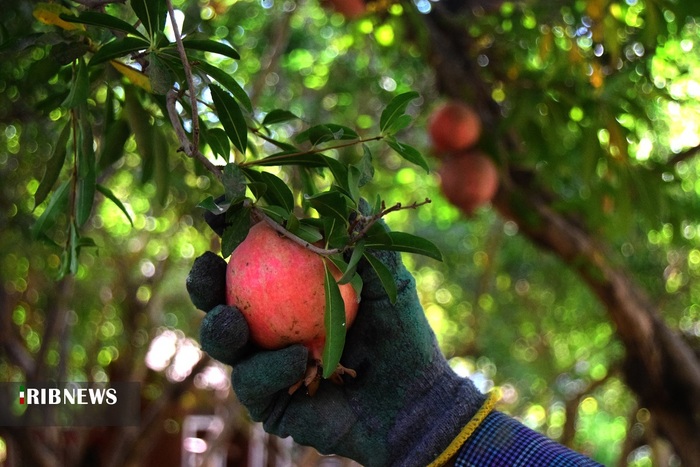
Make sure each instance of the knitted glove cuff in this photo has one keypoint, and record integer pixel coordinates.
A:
(436, 414)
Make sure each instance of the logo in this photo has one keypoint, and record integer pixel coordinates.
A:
(70, 395)
(70, 404)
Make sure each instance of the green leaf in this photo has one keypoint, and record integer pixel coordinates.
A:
(109, 194)
(228, 82)
(334, 321)
(335, 232)
(318, 134)
(80, 87)
(355, 280)
(409, 153)
(103, 20)
(118, 48)
(355, 258)
(396, 109)
(112, 147)
(86, 168)
(159, 74)
(278, 116)
(206, 45)
(151, 13)
(53, 166)
(231, 117)
(330, 203)
(292, 158)
(212, 206)
(139, 122)
(238, 221)
(384, 275)
(308, 232)
(354, 177)
(402, 241)
(234, 183)
(57, 203)
(365, 167)
(219, 143)
(276, 193)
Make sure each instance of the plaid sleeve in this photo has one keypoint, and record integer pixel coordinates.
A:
(503, 441)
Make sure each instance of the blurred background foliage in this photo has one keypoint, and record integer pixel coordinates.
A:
(603, 95)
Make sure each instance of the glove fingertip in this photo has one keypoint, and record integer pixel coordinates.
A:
(206, 282)
(224, 334)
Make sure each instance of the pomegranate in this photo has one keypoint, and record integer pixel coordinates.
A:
(468, 180)
(351, 9)
(279, 287)
(453, 127)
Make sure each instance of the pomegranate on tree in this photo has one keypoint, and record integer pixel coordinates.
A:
(278, 285)
(351, 9)
(468, 180)
(453, 127)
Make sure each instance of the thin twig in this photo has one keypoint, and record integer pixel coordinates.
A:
(314, 150)
(369, 221)
(259, 215)
(187, 146)
(188, 76)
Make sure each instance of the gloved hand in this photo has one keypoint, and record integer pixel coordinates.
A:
(404, 407)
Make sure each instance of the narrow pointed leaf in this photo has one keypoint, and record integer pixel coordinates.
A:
(234, 183)
(409, 153)
(53, 166)
(402, 241)
(276, 190)
(229, 83)
(205, 45)
(151, 13)
(219, 143)
(395, 109)
(355, 258)
(112, 148)
(365, 166)
(278, 116)
(334, 321)
(103, 20)
(80, 86)
(86, 165)
(57, 203)
(330, 204)
(231, 117)
(136, 77)
(118, 48)
(292, 158)
(238, 225)
(384, 275)
(109, 194)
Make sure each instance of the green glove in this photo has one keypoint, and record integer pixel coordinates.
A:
(404, 407)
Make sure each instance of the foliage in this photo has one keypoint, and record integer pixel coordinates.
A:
(601, 98)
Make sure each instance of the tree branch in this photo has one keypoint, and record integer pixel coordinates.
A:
(187, 146)
(188, 76)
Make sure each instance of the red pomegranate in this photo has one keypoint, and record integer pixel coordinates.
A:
(453, 127)
(351, 9)
(468, 180)
(279, 287)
